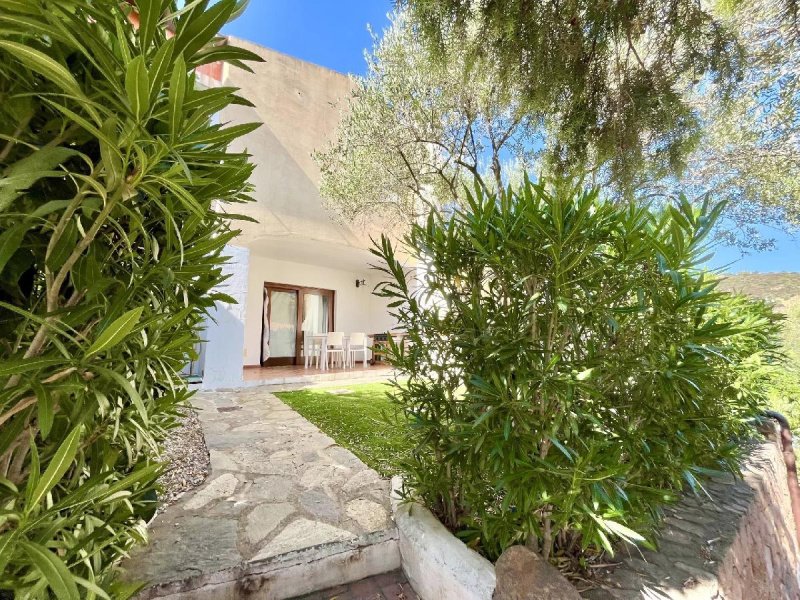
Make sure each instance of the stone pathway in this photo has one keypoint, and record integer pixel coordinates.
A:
(389, 586)
(277, 484)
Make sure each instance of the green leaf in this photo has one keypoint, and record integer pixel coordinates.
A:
(135, 397)
(629, 535)
(53, 570)
(562, 448)
(149, 15)
(35, 470)
(22, 174)
(10, 241)
(160, 67)
(177, 94)
(9, 367)
(44, 414)
(137, 87)
(59, 464)
(224, 53)
(44, 65)
(91, 587)
(116, 331)
(201, 29)
(7, 543)
(112, 159)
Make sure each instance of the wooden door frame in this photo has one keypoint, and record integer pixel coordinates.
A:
(301, 290)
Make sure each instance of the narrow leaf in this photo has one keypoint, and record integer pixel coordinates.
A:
(53, 570)
(10, 241)
(137, 87)
(6, 548)
(44, 65)
(116, 331)
(177, 94)
(58, 466)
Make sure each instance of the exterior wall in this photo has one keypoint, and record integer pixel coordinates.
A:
(295, 240)
(299, 105)
(764, 559)
(225, 331)
(355, 309)
(740, 545)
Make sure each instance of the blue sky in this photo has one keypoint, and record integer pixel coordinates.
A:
(334, 34)
(331, 33)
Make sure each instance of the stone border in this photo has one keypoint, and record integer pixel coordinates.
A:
(438, 565)
(292, 574)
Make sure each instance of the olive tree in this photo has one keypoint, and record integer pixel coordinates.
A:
(416, 129)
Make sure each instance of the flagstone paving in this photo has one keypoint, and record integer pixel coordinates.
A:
(277, 484)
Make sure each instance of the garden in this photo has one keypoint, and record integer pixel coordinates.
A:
(560, 394)
(571, 364)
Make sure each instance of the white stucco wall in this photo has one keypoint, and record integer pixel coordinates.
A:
(355, 309)
(225, 331)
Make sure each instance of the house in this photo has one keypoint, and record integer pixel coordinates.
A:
(298, 269)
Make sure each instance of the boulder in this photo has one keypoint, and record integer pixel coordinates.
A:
(524, 575)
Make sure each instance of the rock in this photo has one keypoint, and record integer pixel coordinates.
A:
(222, 487)
(324, 475)
(300, 534)
(321, 506)
(523, 575)
(272, 488)
(264, 518)
(370, 515)
(363, 479)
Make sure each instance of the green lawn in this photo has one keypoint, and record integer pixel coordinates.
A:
(358, 417)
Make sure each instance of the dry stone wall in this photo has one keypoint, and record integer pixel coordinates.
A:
(741, 545)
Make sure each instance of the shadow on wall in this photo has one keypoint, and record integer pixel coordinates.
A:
(224, 343)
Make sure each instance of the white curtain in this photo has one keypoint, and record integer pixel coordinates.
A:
(315, 311)
(265, 321)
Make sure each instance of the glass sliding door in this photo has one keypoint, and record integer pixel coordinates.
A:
(280, 327)
(315, 313)
(290, 313)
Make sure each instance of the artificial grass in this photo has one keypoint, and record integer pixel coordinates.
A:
(358, 417)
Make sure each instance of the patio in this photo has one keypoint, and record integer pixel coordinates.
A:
(284, 508)
(299, 374)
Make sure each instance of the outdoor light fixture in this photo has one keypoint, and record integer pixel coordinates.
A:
(361, 282)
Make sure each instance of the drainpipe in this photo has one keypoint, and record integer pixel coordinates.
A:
(791, 466)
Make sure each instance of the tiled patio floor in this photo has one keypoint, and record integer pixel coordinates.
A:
(277, 484)
(300, 374)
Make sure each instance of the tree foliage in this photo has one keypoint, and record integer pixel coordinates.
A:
(751, 144)
(417, 129)
(607, 76)
(110, 250)
(570, 365)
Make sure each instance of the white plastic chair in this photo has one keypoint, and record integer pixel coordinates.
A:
(312, 348)
(334, 347)
(358, 343)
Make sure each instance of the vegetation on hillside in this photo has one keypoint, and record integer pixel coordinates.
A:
(110, 251)
(783, 291)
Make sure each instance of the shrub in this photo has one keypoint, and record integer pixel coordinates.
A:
(110, 249)
(570, 366)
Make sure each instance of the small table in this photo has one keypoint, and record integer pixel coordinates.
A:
(381, 342)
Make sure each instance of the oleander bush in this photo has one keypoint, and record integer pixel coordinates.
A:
(570, 366)
(111, 242)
